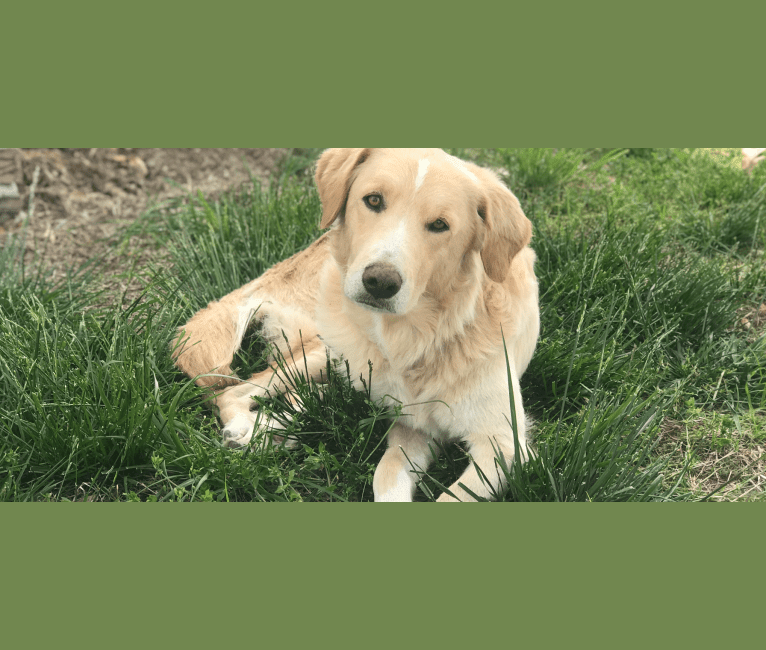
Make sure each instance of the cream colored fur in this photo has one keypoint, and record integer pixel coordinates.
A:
(457, 240)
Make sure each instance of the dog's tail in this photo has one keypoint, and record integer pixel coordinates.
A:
(205, 347)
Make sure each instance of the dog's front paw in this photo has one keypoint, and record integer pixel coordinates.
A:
(238, 432)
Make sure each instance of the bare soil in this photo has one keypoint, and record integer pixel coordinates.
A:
(85, 198)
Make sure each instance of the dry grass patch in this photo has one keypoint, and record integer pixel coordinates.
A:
(726, 454)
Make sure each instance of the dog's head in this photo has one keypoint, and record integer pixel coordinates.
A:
(410, 221)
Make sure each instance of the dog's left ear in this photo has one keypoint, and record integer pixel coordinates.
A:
(507, 228)
(333, 178)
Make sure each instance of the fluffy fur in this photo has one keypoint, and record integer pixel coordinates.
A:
(426, 259)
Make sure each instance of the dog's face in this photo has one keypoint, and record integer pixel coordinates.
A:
(413, 221)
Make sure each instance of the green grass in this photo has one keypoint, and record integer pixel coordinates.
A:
(645, 385)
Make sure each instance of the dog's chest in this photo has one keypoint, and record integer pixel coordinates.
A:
(405, 368)
(375, 334)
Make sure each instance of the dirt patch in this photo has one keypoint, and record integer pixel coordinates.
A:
(724, 458)
(753, 320)
(85, 198)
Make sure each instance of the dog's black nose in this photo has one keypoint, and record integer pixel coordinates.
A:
(381, 280)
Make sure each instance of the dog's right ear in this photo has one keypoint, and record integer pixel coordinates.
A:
(333, 178)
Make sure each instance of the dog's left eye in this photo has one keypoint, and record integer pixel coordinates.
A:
(374, 202)
(438, 226)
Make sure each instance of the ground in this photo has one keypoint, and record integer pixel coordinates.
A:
(85, 198)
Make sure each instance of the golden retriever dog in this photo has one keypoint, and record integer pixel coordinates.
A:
(425, 268)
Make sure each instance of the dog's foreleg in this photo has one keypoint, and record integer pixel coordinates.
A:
(485, 476)
(397, 473)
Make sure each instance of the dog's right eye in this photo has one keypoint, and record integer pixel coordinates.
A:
(374, 202)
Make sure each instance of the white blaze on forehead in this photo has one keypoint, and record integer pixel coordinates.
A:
(422, 169)
(460, 166)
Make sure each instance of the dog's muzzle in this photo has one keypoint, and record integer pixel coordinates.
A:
(381, 280)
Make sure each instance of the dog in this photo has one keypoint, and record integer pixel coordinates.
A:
(426, 271)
